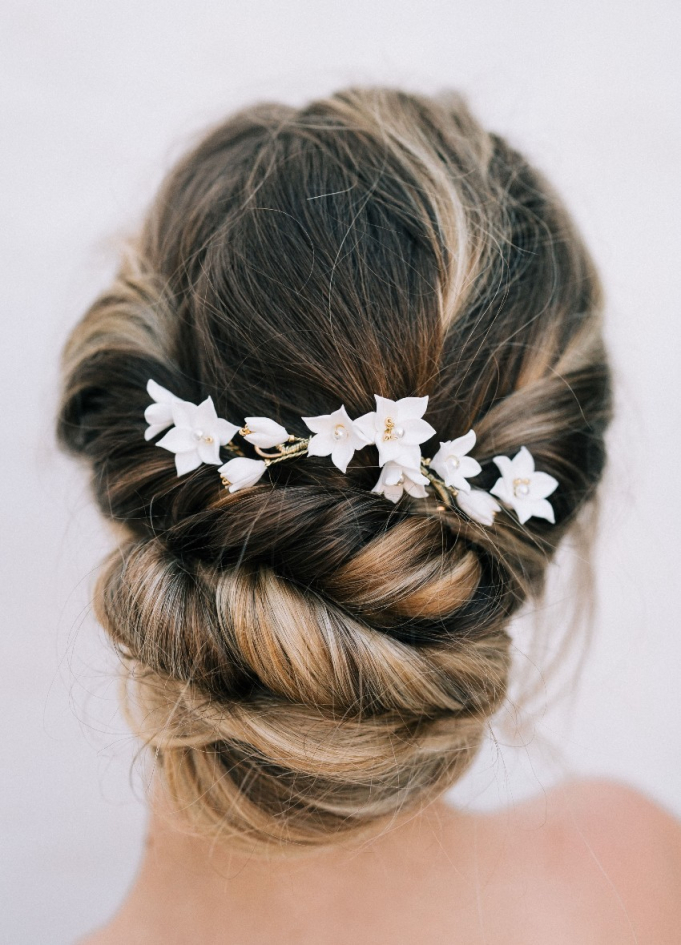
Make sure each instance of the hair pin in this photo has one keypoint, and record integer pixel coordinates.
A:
(396, 428)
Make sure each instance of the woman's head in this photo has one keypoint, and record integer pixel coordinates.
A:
(305, 657)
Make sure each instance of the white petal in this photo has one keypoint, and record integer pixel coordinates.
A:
(205, 415)
(356, 434)
(523, 510)
(154, 430)
(365, 426)
(412, 408)
(159, 415)
(390, 491)
(395, 479)
(410, 457)
(542, 485)
(416, 431)
(389, 451)
(341, 416)
(456, 480)
(178, 440)
(187, 462)
(224, 431)
(358, 440)
(500, 489)
(265, 433)
(454, 475)
(392, 473)
(542, 508)
(438, 461)
(342, 453)
(397, 452)
(183, 414)
(318, 424)
(242, 472)
(321, 444)
(463, 444)
(235, 468)
(469, 467)
(505, 466)
(384, 408)
(478, 505)
(209, 452)
(415, 476)
(160, 394)
(326, 422)
(523, 463)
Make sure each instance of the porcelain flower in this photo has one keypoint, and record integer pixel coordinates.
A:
(159, 415)
(197, 435)
(335, 435)
(478, 505)
(397, 429)
(453, 465)
(240, 472)
(523, 489)
(264, 432)
(396, 479)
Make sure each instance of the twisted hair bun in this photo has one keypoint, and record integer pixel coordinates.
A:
(305, 657)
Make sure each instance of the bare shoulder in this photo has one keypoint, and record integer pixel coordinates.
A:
(603, 855)
(620, 824)
(611, 799)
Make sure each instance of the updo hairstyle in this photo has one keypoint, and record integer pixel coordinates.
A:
(305, 658)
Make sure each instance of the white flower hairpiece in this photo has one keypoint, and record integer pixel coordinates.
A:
(396, 428)
(335, 435)
(197, 434)
(159, 415)
(523, 489)
(478, 505)
(396, 479)
(452, 464)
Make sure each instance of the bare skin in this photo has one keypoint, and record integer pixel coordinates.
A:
(592, 863)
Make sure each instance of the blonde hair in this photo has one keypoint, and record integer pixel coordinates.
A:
(305, 658)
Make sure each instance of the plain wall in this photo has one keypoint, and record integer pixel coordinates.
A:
(97, 100)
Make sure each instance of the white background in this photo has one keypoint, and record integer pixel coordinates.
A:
(97, 100)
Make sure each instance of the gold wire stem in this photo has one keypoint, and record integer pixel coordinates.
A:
(445, 493)
(296, 448)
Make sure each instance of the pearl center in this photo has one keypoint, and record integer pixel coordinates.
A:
(454, 461)
(521, 488)
(339, 432)
(200, 435)
(391, 431)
